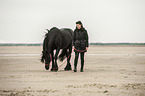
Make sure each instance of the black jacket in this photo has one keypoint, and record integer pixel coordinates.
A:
(80, 39)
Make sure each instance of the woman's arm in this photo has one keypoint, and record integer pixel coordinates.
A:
(74, 38)
(87, 39)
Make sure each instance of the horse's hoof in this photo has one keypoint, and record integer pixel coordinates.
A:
(75, 70)
(51, 69)
(54, 69)
(67, 69)
(47, 68)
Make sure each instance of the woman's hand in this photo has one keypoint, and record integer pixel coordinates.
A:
(73, 47)
(86, 48)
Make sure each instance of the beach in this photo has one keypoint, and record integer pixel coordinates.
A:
(108, 71)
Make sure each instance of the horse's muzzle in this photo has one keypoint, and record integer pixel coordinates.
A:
(47, 66)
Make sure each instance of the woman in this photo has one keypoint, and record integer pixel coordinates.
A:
(80, 43)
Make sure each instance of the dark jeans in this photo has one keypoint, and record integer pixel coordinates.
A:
(76, 60)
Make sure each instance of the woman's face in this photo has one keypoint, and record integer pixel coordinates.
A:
(78, 26)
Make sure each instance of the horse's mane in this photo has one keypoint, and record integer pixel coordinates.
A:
(46, 35)
(49, 31)
(68, 29)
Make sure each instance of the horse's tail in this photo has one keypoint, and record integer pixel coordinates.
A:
(63, 54)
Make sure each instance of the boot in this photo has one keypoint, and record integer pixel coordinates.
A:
(75, 69)
(81, 70)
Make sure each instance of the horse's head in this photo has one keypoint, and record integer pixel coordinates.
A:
(46, 58)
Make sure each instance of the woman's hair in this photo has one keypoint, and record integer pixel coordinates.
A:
(80, 23)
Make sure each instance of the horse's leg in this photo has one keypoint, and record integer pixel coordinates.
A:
(55, 64)
(52, 56)
(68, 55)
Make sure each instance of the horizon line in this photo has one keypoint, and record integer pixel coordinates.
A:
(34, 42)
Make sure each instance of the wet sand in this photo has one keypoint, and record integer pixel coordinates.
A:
(109, 71)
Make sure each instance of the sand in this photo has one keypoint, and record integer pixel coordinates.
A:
(109, 71)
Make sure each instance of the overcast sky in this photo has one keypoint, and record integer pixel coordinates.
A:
(105, 20)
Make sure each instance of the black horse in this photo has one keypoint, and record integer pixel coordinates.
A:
(57, 39)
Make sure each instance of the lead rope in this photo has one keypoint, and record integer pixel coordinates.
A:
(70, 54)
(65, 60)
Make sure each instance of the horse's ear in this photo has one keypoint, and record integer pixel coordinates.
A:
(48, 30)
